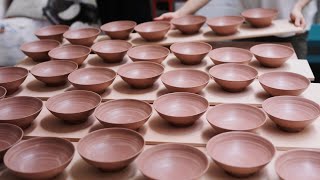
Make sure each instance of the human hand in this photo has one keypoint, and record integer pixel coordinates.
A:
(297, 18)
(167, 16)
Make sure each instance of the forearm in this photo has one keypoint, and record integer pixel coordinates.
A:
(300, 4)
(191, 6)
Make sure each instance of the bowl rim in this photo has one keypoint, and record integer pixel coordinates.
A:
(212, 54)
(108, 42)
(68, 46)
(185, 70)
(24, 49)
(200, 20)
(253, 50)
(210, 24)
(19, 139)
(15, 67)
(168, 26)
(81, 70)
(174, 45)
(129, 53)
(236, 64)
(140, 62)
(37, 32)
(72, 31)
(274, 12)
(63, 62)
(104, 27)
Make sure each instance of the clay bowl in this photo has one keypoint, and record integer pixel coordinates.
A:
(272, 55)
(39, 158)
(83, 36)
(233, 77)
(12, 77)
(284, 83)
(181, 108)
(190, 53)
(38, 50)
(154, 53)
(153, 31)
(111, 149)
(123, 113)
(73, 106)
(260, 17)
(230, 55)
(235, 117)
(9, 135)
(111, 51)
(53, 73)
(225, 25)
(140, 75)
(76, 53)
(240, 154)
(189, 24)
(19, 110)
(291, 113)
(185, 80)
(172, 161)
(290, 164)
(118, 29)
(3, 92)
(54, 32)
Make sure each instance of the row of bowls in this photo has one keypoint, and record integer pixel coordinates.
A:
(240, 154)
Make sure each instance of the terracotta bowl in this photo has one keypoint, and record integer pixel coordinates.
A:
(230, 55)
(111, 51)
(190, 53)
(235, 117)
(19, 110)
(123, 113)
(189, 24)
(12, 77)
(118, 29)
(260, 17)
(225, 25)
(272, 55)
(39, 158)
(38, 50)
(185, 80)
(153, 31)
(111, 149)
(240, 154)
(3, 92)
(154, 53)
(284, 83)
(9, 135)
(73, 106)
(83, 36)
(173, 161)
(76, 53)
(291, 113)
(53, 73)
(290, 164)
(233, 77)
(96, 79)
(54, 32)
(141, 74)
(181, 108)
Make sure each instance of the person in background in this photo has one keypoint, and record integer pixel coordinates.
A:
(300, 12)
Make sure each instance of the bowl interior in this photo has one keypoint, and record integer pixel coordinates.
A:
(152, 26)
(188, 20)
(9, 74)
(118, 26)
(225, 21)
(111, 46)
(148, 52)
(69, 52)
(272, 51)
(284, 80)
(52, 30)
(185, 78)
(191, 48)
(81, 33)
(9, 135)
(231, 55)
(53, 68)
(40, 46)
(92, 76)
(140, 70)
(233, 72)
(259, 13)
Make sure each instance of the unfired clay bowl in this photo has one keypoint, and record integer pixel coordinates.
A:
(96, 79)
(9, 135)
(12, 77)
(185, 80)
(230, 55)
(173, 161)
(39, 158)
(38, 50)
(225, 25)
(190, 53)
(233, 77)
(111, 149)
(260, 17)
(118, 29)
(272, 55)
(189, 24)
(240, 154)
(291, 113)
(19, 110)
(123, 113)
(153, 53)
(140, 75)
(3, 92)
(53, 73)
(235, 117)
(76, 53)
(111, 51)
(284, 83)
(181, 108)
(73, 106)
(83, 36)
(299, 164)
(153, 31)
(54, 32)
